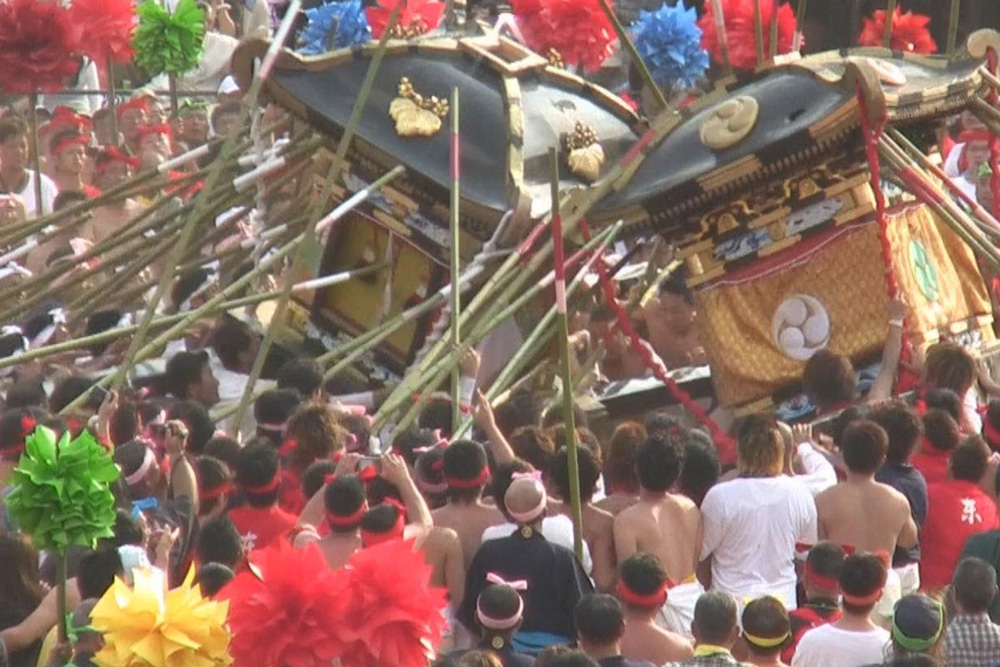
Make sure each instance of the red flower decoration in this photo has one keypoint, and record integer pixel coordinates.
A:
(740, 34)
(39, 46)
(416, 17)
(109, 25)
(290, 614)
(391, 615)
(910, 33)
(578, 30)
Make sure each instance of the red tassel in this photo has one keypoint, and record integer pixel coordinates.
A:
(578, 30)
(39, 46)
(910, 33)
(740, 31)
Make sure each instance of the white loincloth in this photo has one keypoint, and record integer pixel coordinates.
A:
(909, 578)
(891, 593)
(677, 612)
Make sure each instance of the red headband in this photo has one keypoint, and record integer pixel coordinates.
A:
(288, 447)
(217, 492)
(112, 154)
(77, 140)
(821, 580)
(862, 600)
(991, 434)
(974, 135)
(650, 600)
(146, 130)
(264, 488)
(349, 521)
(370, 538)
(466, 484)
(134, 103)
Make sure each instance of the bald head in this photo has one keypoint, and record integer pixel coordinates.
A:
(525, 500)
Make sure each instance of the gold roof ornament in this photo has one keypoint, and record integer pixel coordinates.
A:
(415, 115)
(584, 154)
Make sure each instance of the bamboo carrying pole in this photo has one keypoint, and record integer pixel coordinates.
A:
(887, 35)
(309, 236)
(36, 156)
(800, 17)
(562, 325)
(456, 268)
(626, 41)
(758, 32)
(953, 20)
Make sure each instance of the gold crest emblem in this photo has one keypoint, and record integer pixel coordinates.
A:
(415, 115)
(585, 156)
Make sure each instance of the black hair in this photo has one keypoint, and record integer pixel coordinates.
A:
(212, 578)
(275, 406)
(941, 431)
(187, 284)
(344, 496)
(437, 415)
(521, 409)
(429, 469)
(70, 389)
(314, 477)
(128, 529)
(199, 424)
(566, 658)
(944, 399)
(715, 618)
(212, 474)
(257, 466)
(642, 573)
(410, 439)
(864, 444)
(533, 445)
(498, 601)
(99, 322)
(766, 618)
(224, 448)
(229, 338)
(130, 456)
(464, 460)
(303, 375)
(381, 518)
(970, 459)
(975, 585)
(589, 472)
(553, 416)
(658, 462)
(97, 571)
(358, 426)
(599, 619)
(12, 427)
(219, 542)
(25, 393)
(503, 475)
(701, 469)
(902, 426)
(12, 343)
(829, 379)
(183, 370)
(676, 284)
(861, 575)
(827, 560)
(67, 198)
(124, 423)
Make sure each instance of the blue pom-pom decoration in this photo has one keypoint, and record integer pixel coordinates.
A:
(669, 41)
(346, 17)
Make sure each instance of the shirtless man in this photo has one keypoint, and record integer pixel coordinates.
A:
(466, 473)
(597, 523)
(68, 151)
(344, 503)
(112, 168)
(642, 589)
(670, 320)
(865, 514)
(664, 524)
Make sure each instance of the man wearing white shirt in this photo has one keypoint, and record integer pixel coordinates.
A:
(15, 178)
(751, 524)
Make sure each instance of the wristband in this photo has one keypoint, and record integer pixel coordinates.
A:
(896, 323)
(466, 389)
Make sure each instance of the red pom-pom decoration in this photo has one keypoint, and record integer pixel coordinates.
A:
(39, 46)
(392, 614)
(109, 25)
(740, 33)
(284, 610)
(910, 32)
(415, 18)
(578, 30)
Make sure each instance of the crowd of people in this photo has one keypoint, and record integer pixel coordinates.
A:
(871, 539)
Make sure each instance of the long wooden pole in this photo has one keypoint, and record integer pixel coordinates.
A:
(758, 32)
(456, 267)
(562, 324)
(889, 16)
(626, 41)
(309, 236)
(953, 20)
(36, 157)
(800, 17)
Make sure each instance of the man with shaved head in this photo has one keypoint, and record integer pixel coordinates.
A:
(553, 577)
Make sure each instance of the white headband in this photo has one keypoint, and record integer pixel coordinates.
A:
(491, 623)
(46, 334)
(140, 474)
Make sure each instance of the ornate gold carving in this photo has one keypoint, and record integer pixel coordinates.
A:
(585, 156)
(730, 123)
(415, 115)
(555, 59)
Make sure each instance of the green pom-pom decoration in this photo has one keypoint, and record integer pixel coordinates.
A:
(169, 43)
(62, 494)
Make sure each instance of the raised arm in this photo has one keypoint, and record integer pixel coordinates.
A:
(881, 389)
(395, 471)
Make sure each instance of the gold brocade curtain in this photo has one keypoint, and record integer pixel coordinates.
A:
(759, 331)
